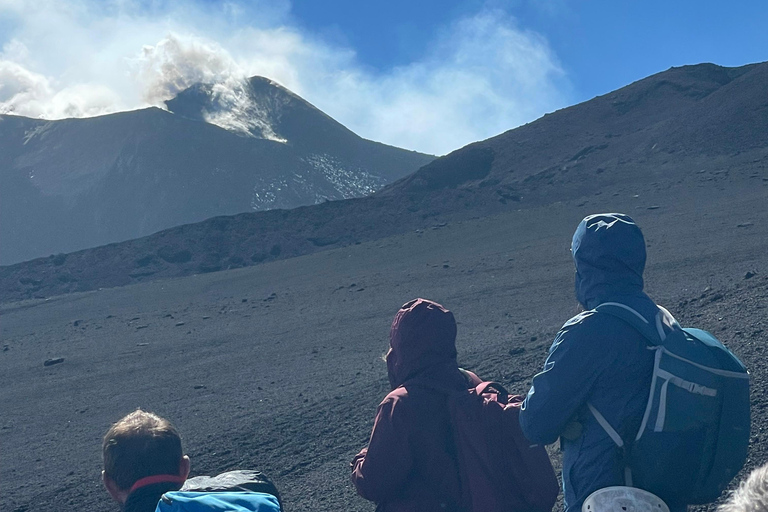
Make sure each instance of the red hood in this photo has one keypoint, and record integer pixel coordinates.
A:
(423, 336)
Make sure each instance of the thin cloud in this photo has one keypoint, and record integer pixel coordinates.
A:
(76, 58)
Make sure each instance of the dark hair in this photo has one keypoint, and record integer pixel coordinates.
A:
(141, 444)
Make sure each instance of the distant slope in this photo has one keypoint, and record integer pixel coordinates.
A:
(78, 183)
(629, 134)
(667, 141)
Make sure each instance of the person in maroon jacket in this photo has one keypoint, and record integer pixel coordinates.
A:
(410, 462)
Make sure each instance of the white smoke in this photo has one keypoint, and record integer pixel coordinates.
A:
(234, 110)
(176, 63)
(173, 65)
(77, 58)
(25, 93)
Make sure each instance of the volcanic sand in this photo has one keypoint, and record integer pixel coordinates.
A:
(278, 367)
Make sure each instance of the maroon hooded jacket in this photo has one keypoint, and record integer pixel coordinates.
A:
(410, 462)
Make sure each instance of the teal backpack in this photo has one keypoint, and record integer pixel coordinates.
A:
(226, 501)
(234, 491)
(694, 434)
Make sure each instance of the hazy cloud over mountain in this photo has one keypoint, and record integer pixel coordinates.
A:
(481, 75)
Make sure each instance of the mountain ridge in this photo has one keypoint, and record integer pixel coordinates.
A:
(77, 183)
(596, 154)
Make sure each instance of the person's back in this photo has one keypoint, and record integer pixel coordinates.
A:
(596, 359)
(410, 461)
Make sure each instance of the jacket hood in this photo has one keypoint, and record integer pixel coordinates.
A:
(422, 337)
(609, 252)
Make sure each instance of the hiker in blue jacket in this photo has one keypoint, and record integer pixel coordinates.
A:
(596, 359)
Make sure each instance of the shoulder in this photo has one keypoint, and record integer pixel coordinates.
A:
(592, 322)
(597, 331)
(580, 319)
(398, 398)
(585, 324)
(397, 394)
(397, 408)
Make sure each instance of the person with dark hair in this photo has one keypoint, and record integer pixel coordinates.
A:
(597, 361)
(143, 458)
(410, 462)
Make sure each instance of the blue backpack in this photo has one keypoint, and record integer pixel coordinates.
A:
(226, 501)
(694, 434)
(234, 491)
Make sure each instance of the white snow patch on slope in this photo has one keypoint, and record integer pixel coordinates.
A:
(324, 179)
(349, 182)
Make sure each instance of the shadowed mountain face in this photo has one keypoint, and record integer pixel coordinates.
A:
(77, 183)
(664, 143)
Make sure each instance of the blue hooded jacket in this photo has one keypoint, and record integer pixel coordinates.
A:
(595, 358)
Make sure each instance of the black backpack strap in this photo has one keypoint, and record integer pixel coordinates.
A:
(247, 480)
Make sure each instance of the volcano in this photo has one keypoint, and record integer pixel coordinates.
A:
(78, 183)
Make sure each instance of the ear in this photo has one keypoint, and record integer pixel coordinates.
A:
(117, 494)
(184, 466)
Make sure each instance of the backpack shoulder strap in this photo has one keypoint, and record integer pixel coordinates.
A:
(653, 332)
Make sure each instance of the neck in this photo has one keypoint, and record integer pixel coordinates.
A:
(156, 479)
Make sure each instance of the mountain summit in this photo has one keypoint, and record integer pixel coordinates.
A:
(218, 150)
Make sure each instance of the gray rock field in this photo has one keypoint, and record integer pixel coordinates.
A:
(278, 367)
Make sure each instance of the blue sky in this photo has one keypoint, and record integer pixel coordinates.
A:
(427, 75)
(601, 45)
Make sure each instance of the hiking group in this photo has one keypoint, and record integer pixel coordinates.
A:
(649, 416)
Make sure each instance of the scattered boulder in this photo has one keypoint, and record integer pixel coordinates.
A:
(750, 275)
(53, 361)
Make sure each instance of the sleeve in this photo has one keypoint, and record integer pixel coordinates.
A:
(563, 386)
(380, 470)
